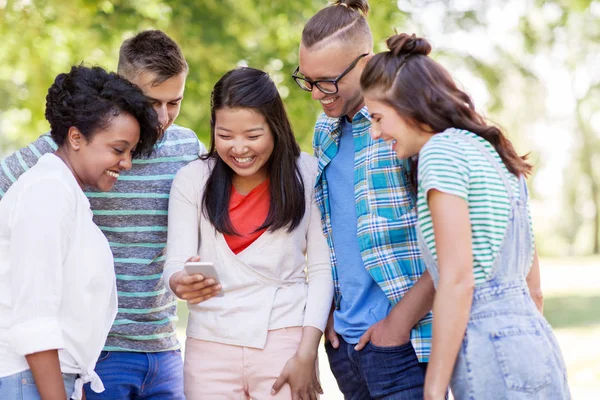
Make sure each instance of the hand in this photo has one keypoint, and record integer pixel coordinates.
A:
(193, 288)
(301, 374)
(330, 334)
(384, 333)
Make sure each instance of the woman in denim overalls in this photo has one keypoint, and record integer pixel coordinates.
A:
(490, 340)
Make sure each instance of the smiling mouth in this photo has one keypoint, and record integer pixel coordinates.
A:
(243, 160)
(112, 174)
(328, 101)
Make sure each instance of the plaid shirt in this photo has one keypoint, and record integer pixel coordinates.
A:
(386, 215)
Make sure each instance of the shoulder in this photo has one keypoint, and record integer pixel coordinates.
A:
(49, 180)
(196, 169)
(325, 125)
(175, 132)
(307, 162)
(178, 140)
(447, 147)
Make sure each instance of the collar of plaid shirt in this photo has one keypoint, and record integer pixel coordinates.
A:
(385, 210)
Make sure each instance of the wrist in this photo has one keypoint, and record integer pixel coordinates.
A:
(398, 329)
(308, 355)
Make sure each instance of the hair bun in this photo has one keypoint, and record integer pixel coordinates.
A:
(362, 6)
(404, 44)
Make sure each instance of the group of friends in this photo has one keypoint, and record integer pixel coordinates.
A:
(406, 239)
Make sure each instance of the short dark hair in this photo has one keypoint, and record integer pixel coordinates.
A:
(422, 91)
(151, 51)
(344, 20)
(89, 98)
(251, 88)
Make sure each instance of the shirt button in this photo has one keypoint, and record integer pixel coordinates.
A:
(24, 381)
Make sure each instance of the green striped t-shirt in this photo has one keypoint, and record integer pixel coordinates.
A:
(451, 164)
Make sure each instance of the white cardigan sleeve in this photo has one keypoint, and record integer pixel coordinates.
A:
(320, 281)
(41, 227)
(183, 223)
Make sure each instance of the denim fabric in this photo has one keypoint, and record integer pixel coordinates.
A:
(21, 386)
(390, 373)
(130, 375)
(509, 351)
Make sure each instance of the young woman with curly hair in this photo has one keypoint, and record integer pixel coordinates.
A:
(57, 282)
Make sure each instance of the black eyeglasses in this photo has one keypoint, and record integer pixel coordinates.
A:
(327, 86)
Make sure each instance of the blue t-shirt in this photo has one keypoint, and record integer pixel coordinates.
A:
(363, 303)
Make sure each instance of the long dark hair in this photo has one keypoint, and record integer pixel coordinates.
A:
(253, 89)
(422, 91)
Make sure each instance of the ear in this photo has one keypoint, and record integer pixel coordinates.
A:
(75, 138)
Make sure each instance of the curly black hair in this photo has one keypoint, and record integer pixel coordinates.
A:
(89, 98)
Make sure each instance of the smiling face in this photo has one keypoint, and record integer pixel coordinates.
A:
(97, 162)
(328, 62)
(244, 141)
(166, 97)
(406, 138)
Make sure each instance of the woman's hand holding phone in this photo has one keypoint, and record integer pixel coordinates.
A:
(194, 288)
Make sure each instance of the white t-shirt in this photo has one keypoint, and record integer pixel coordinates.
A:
(57, 280)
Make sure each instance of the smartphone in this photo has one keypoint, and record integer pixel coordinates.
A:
(207, 269)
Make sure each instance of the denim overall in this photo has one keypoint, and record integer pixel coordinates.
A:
(509, 351)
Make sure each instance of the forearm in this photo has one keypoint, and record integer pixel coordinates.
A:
(45, 368)
(309, 345)
(451, 309)
(535, 285)
(415, 304)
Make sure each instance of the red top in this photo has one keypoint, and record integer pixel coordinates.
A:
(247, 212)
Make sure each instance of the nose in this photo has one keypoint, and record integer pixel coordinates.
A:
(163, 115)
(316, 94)
(126, 162)
(238, 147)
(375, 132)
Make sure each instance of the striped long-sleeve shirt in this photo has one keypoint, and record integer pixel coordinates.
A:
(133, 216)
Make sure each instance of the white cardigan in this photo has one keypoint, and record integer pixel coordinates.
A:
(281, 280)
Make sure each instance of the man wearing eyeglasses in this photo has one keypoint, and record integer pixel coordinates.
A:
(378, 337)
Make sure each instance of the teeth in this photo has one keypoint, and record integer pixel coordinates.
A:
(112, 173)
(327, 101)
(243, 160)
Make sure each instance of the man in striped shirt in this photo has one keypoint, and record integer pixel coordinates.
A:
(141, 357)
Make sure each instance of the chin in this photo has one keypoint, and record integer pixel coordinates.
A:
(333, 113)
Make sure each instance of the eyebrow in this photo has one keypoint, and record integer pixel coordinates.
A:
(321, 78)
(167, 101)
(258, 128)
(125, 142)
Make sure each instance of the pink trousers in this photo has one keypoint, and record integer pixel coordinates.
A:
(221, 371)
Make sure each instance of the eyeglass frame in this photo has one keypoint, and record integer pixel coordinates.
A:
(334, 81)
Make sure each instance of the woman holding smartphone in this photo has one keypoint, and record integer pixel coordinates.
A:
(490, 339)
(57, 283)
(248, 208)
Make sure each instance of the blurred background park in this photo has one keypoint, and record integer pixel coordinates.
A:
(532, 66)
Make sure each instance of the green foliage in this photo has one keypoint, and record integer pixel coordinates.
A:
(42, 38)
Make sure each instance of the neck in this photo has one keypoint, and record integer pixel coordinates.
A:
(355, 111)
(245, 184)
(424, 137)
(67, 157)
